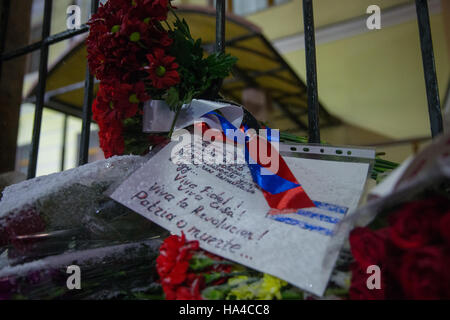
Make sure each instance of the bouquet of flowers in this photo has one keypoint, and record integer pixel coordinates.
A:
(52, 222)
(412, 252)
(408, 241)
(138, 55)
(189, 273)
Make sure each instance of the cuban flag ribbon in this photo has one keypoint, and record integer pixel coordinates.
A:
(281, 189)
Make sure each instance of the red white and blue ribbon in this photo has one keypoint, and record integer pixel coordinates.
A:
(281, 189)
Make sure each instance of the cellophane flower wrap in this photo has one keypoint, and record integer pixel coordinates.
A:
(141, 50)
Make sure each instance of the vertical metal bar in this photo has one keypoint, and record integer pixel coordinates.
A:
(429, 67)
(87, 107)
(3, 28)
(213, 93)
(40, 93)
(311, 73)
(64, 143)
(220, 26)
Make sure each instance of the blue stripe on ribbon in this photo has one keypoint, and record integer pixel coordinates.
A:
(318, 216)
(303, 225)
(271, 183)
(331, 207)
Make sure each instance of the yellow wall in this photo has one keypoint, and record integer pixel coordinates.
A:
(375, 79)
(287, 19)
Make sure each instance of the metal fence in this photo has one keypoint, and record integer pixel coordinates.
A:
(311, 70)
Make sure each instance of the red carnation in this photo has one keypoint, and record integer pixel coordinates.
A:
(111, 139)
(116, 102)
(172, 266)
(424, 273)
(173, 261)
(193, 288)
(162, 70)
(368, 247)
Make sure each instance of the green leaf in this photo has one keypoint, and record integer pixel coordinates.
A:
(216, 292)
(200, 262)
(211, 277)
(173, 98)
(292, 294)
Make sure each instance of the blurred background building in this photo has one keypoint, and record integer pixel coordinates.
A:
(371, 83)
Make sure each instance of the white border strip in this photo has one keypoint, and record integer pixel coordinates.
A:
(328, 150)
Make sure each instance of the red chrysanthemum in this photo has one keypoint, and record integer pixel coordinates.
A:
(121, 33)
(162, 69)
(115, 102)
(110, 133)
(152, 9)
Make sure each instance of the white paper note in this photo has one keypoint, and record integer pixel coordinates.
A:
(222, 208)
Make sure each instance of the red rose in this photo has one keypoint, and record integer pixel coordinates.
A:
(8, 286)
(358, 288)
(424, 273)
(368, 247)
(162, 70)
(414, 225)
(444, 228)
(26, 221)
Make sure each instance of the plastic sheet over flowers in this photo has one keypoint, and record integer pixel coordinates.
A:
(50, 223)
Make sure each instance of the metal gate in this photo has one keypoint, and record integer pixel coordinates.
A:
(431, 84)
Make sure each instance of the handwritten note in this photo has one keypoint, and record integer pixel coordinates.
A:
(220, 206)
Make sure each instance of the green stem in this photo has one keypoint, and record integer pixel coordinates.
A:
(168, 25)
(175, 121)
(174, 13)
(141, 45)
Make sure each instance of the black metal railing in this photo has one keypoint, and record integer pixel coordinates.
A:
(87, 103)
(311, 72)
(313, 102)
(429, 68)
